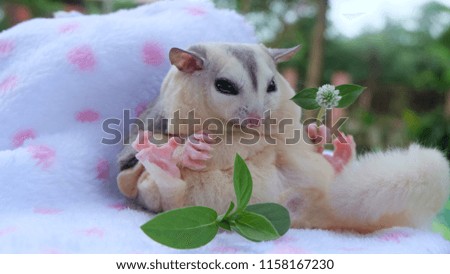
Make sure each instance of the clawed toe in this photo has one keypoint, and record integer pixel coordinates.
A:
(195, 154)
(196, 151)
(162, 156)
(318, 136)
(344, 146)
(142, 141)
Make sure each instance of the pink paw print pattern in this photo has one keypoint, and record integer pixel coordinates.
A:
(82, 57)
(196, 11)
(46, 211)
(102, 169)
(395, 236)
(87, 116)
(21, 136)
(343, 151)
(284, 245)
(68, 28)
(7, 230)
(118, 206)
(6, 48)
(283, 249)
(43, 155)
(94, 232)
(8, 83)
(153, 54)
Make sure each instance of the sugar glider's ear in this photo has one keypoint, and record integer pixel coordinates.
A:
(185, 61)
(282, 55)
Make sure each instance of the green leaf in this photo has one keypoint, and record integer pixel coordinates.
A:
(224, 224)
(349, 94)
(223, 216)
(277, 214)
(183, 228)
(306, 98)
(254, 227)
(243, 183)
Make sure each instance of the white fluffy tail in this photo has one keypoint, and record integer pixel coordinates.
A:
(395, 188)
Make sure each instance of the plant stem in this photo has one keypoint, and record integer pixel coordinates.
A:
(320, 114)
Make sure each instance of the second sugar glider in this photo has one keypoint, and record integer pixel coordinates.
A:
(227, 82)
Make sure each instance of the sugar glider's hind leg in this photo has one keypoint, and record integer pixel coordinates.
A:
(395, 188)
(154, 188)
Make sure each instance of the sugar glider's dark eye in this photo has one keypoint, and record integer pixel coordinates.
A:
(272, 87)
(225, 86)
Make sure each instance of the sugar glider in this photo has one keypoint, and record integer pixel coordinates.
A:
(240, 82)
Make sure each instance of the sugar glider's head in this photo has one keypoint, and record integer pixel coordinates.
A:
(228, 81)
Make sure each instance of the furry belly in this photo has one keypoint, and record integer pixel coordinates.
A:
(215, 188)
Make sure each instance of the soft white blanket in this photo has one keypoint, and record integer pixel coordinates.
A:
(59, 80)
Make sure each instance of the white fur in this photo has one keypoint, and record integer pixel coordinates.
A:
(380, 190)
(47, 99)
(413, 183)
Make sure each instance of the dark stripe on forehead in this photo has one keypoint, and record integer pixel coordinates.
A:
(248, 60)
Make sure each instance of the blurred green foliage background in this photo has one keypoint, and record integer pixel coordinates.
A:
(406, 69)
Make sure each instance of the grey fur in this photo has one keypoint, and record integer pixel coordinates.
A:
(154, 120)
(200, 50)
(248, 60)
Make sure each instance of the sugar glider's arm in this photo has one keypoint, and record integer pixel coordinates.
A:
(311, 173)
(307, 175)
(156, 181)
(344, 147)
(152, 120)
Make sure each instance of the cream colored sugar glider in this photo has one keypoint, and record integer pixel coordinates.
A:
(240, 82)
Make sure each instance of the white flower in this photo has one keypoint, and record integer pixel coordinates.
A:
(328, 96)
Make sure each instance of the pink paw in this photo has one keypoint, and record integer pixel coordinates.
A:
(162, 156)
(196, 151)
(343, 151)
(317, 135)
(142, 141)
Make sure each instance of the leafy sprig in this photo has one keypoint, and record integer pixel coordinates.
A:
(327, 97)
(348, 93)
(193, 227)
